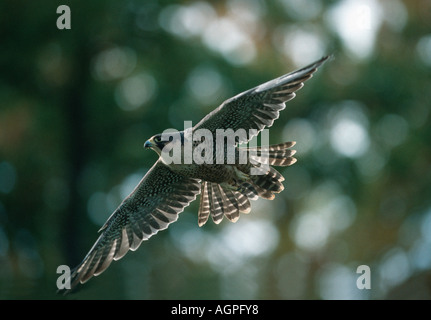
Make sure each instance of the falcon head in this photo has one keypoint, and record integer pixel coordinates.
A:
(156, 143)
(160, 141)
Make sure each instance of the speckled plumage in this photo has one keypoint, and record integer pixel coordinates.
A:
(225, 189)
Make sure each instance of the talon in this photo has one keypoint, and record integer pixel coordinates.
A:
(230, 186)
(241, 175)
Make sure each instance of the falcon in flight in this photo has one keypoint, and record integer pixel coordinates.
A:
(226, 187)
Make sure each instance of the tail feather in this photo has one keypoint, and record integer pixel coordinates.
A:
(217, 208)
(204, 205)
(272, 181)
(243, 202)
(253, 191)
(218, 201)
(230, 204)
(249, 190)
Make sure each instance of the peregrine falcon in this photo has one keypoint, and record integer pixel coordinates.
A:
(225, 186)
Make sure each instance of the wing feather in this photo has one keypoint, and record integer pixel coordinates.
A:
(155, 203)
(257, 108)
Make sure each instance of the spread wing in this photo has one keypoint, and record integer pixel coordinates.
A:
(155, 203)
(257, 108)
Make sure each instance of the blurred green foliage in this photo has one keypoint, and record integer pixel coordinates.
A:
(77, 106)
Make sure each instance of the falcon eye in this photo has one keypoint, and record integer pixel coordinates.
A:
(157, 139)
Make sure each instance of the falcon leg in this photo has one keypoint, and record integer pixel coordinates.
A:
(241, 175)
(234, 184)
(231, 185)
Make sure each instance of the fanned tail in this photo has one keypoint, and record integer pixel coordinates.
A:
(266, 180)
(218, 202)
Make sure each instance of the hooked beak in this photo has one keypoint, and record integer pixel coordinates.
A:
(149, 143)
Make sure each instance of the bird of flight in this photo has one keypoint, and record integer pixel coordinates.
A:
(225, 183)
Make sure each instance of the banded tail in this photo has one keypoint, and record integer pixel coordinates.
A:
(218, 201)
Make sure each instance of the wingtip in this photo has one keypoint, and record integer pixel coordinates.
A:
(328, 57)
(324, 59)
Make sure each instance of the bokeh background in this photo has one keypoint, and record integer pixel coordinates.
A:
(77, 105)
